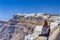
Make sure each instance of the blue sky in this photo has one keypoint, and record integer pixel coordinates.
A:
(9, 7)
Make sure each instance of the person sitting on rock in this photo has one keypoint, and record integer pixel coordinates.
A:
(45, 30)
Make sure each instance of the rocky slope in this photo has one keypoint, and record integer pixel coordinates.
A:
(19, 26)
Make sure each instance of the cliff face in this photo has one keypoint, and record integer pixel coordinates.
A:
(22, 28)
(17, 27)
